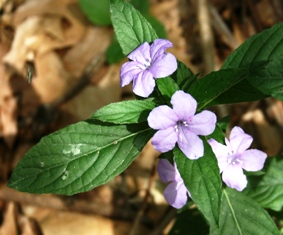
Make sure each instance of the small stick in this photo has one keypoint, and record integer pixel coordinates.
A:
(83, 82)
(255, 15)
(219, 25)
(277, 8)
(206, 35)
(144, 204)
(169, 215)
(66, 204)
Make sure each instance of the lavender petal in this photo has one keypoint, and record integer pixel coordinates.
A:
(239, 140)
(158, 47)
(128, 72)
(183, 104)
(143, 84)
(162, 117)
(191, 145)
(234, 177)
(164, 140)
(221, 152)
(176, 194)
(141, 54)
(203, 123)
(166, 171)
(163, 65)
(253, 159)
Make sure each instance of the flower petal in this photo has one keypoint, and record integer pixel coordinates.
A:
(128, 71)
(183, 104)
(253, 159)
(143, 84)
(221, 152)
(234, 177)
(177, 173)
(158, 47)
(141, 54)
(162, 117)
(176, 194)
(163, 65)
(239, 140)
(190, 144)
(202, 123)
(164, 140)
(166, 171)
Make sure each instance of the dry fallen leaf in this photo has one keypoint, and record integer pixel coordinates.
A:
(8, 110)
(9, 225)
(93, 44)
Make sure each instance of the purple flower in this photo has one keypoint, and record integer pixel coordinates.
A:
(147, 63)
(181, 125)
(176, 192)
(234, 157)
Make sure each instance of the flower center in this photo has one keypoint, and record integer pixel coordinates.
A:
(179, 128)
(233, 159)
(147, 63)
(143, 64)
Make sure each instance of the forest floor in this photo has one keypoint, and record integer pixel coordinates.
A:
(70, 79)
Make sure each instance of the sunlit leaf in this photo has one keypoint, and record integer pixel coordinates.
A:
(131, 28)
(79, 157)
(240, 215)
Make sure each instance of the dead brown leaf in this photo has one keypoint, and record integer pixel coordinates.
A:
(8, 110)
(94, 43)
(9, 225)
(67, 10)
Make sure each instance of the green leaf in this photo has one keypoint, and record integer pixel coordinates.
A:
(265, 46)
(220, 129)
(130, 26)
(183, 77)
(79, 157)
(96, 11)
(278, 219)
(240, 92)
(269, 79)
(114, 53)
(206, 90)
(223, 123)
(125, 112)
(202, 178)
(156, 25)
(217, 134)
(141, 6)
(240, 215)
(167, 155)
(267, 189)
(167, 87)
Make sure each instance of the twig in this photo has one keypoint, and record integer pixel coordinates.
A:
(255, 15)
(47, 113)
(168, 216)
(206, 35)
(66, 204)
(3, 3)
(219, 25)
(144, 204)
(90, 69)
(277, 6)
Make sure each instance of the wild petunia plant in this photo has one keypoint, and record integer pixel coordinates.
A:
(171, 111)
